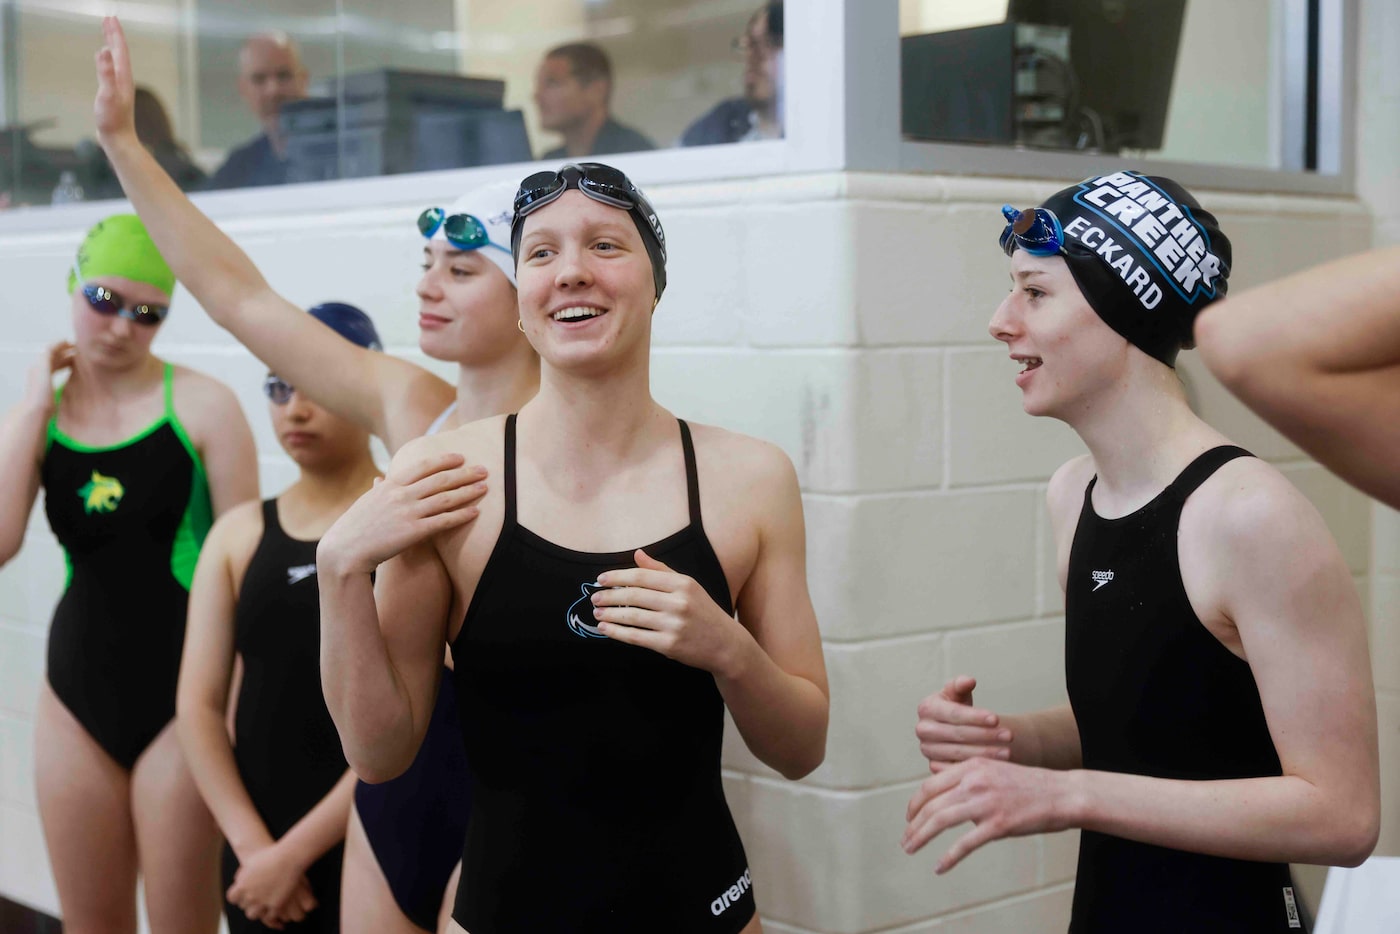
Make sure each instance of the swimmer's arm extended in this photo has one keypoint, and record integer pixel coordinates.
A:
(388, 396)
(1317, 354)
(22, 437)
(1271, 566)
(381, 653)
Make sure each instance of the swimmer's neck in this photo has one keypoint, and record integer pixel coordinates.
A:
(1141, 437)
(496, 388)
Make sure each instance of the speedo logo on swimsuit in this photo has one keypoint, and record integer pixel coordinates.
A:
(732, 894)
(300, 573)
(1100, 578)
(101, 494)
(579, 616)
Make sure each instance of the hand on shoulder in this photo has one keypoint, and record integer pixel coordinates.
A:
(429, 489)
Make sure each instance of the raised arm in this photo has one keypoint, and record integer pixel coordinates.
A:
(381, 653)
(390, 397)
(22, 437)
(1317, 355)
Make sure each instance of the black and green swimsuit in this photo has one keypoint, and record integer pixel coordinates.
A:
(131, 518)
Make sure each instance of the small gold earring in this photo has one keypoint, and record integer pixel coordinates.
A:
(520, 324)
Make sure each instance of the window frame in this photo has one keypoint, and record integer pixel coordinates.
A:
(841, 61)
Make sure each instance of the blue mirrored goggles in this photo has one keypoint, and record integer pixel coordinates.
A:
(1035, 230)
(278, 390)
(108, 303)
(463, 231)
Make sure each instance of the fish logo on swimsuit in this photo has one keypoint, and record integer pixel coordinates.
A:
(101, 494)
(580, 613)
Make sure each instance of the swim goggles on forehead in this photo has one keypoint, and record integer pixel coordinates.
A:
(1035, 230)
(106, 302)
(463, 231)
(602, 183)
(278, 389)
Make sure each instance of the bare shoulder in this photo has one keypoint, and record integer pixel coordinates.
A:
(235, 535)
(741, 464)
(1249, 504)
(201, 401)
(1065, 494)
(474, 441)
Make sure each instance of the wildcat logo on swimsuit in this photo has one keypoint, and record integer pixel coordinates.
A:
(101, 494)
(729, 896)
(580, 613)
(1100, 578)
(300, 573)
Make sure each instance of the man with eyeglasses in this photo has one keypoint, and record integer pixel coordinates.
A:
(270, 74)
(758, 114)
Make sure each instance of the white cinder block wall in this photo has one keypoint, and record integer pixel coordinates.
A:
(843, 317)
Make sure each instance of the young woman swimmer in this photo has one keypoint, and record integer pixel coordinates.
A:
(1221, 720)
(593, 674)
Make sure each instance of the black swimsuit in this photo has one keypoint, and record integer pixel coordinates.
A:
(1154, 693)
(131, 518)
(285, 743)
(596, 765)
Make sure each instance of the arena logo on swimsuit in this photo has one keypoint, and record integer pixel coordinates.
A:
(732, 894)
(1162, 245)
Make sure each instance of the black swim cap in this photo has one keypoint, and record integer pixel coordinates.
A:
(1145, 254)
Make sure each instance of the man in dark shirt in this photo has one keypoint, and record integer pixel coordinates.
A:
(270, 73)
(759, 113)
(573, 90)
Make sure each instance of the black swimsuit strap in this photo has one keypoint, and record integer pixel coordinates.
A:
(508, 467)
(692, 476)
(1191, 477)
(1201, 469)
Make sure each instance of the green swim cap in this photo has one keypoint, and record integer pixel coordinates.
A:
(120, 246)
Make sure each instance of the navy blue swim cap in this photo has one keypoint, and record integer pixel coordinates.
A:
(349, 322)
(1146, 255)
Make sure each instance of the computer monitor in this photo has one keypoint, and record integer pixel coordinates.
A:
(401, 121)
(958, 85)
(476, 137)
(1123, 55)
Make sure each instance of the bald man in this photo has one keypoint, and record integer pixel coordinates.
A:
(270, 73)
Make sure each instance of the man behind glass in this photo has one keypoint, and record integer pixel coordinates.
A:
(573, 91)
(270, 74)
(759, 113)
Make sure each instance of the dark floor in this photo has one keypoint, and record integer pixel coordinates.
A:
(19, 919)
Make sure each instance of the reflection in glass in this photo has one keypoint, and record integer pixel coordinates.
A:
(1191, 81)
(240, 93)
